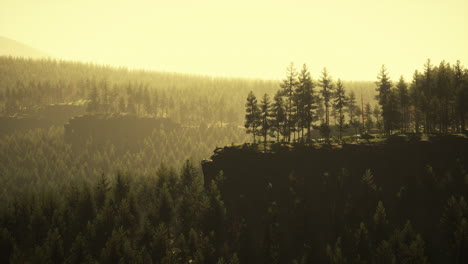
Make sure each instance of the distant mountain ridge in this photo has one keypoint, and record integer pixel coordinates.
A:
(10, 47)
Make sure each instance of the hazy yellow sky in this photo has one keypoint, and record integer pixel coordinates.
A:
(245, 38)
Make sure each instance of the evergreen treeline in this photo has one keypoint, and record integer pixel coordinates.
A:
(435, 102)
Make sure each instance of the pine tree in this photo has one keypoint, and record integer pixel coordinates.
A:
(234, 259)
(121, 188)
(460, 83)
(192, 201)
(325, 82)
(362, 244)
(320, 113)
(427, 87)
(216, 215)
(279, 116)
(377, 114)
(339, 105)
(53, 247)
(393, 111)
(101, 191)
(363, 114)
(368, 115)
(305, 94)
(288, 86)
(265, 117)
(445, 95)
(335, 254)
(118, 248)
(352, 109)
(272, 235)
(454, 226)
(384, 86)
(384, 254)
(93, 105)
(252, 116)
(403, 94)
(166, 206)
(380, 223)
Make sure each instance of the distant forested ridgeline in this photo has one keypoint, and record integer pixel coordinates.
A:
(27, 86)
(31, 84)
(436, 101)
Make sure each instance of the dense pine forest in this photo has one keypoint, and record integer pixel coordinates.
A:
(104, 165)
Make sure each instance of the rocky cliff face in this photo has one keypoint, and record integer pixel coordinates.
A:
(41, 117)
(244, 167)
(314, 178)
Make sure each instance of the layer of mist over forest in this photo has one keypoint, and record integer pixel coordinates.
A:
(103, 165)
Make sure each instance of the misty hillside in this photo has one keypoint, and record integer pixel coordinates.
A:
(10, 47)
(87, 158)
(70, 109)
(189, 99)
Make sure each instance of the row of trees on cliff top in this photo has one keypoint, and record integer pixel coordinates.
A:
(436, 101)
